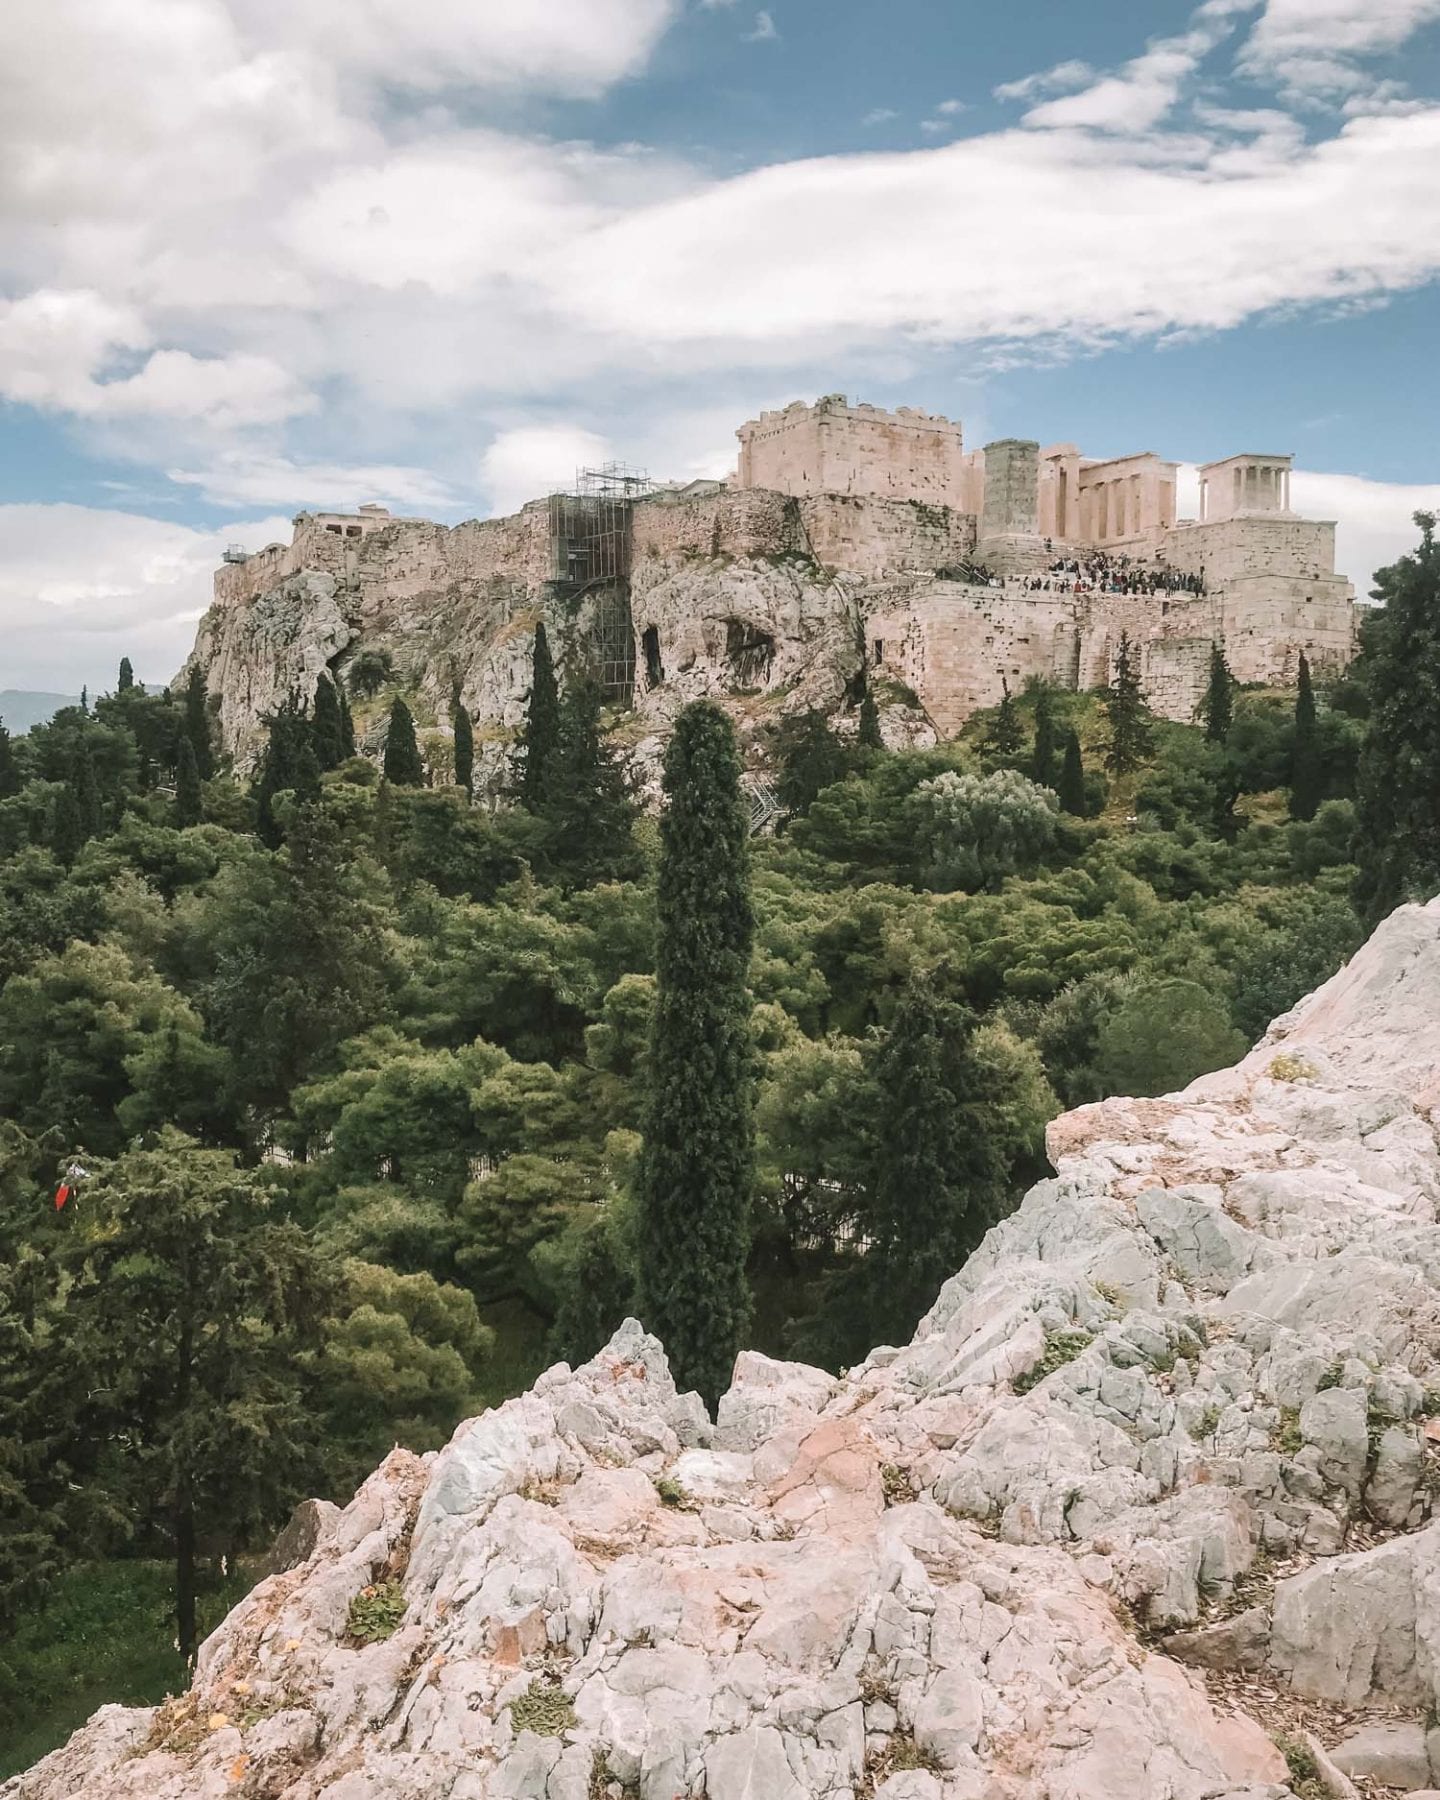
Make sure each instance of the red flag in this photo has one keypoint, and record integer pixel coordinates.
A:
(62, 1194)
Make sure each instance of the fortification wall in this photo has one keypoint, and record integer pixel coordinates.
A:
(835, 448)
(873, 536)
(727, 522)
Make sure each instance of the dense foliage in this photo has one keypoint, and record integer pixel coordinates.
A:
(381, 1095)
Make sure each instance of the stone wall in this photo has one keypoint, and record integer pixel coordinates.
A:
(835, 448)
(874, 537)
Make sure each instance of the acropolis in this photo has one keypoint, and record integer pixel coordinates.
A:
(961, 572)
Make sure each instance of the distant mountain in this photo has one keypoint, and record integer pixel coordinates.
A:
(20, 710)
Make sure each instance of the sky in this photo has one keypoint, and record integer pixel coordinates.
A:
(263, 255)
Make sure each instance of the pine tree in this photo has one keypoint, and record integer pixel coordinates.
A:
(541, 731)
(188, 807)
(697, 1167)
(1306, 772)
(1072, 779)
(868, 737)
(198, 1310)
(464, 747)
(1131, 726)
(1217, 706)
(197, 723)
(9, 769)
(587, 806)
(1047, 740)
(126, 679)
(402, 763)
(1004, 736)
(939, 1180)
(1397, 811)
(327, 731)
(288, 765)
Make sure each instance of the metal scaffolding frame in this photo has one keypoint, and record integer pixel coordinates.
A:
(590, 560)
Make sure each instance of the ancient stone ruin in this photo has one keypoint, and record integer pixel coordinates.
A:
(1146, 1511)
(850, 541)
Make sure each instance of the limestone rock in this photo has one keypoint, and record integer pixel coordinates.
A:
(1162, 1394)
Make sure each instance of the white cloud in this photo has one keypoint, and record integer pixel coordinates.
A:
(880, 115)
(1313, 48)
(950, 107)
(80, 587)
(530, 460)
(241, 478)
(763, 30)
(1058, 80)
(1374, 519)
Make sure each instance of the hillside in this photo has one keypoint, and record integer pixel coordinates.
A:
(1142, 1513)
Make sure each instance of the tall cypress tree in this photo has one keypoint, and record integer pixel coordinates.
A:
(464, 747)
(1072, 778)
(1397, 823)
(88, 805)
(1131, 734)
(197, 723)
(288, 763)
(9, 768)
(1004, 736)
(187, 786)
(587, 805)
(1217, 705)
(127, 677)
(938, 1178)
(697, 1166)
(1306, 773)
(1047, 740)
(67, 835)
(541, 731)
(403, 765)
(347, 724)
(868, 737)
(327, 731)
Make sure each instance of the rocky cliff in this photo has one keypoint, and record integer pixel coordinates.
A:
(1143, 1513)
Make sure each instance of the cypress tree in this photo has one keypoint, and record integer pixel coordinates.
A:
(85, 701)
(1047, 740)
(1397, 812)
(1072, 778)
(1306, 773)
(697, 1171)
(587, 806)
(939, 1179)
(1217, 706)
(197, 723)
(402, 764)
(464, 747)
(187, 786)
(541, 732)
(869, 737)
(9, 768)
(288, 764)
(66, 833)
(88, 806)
(1130, 722)
(327, 733)
(347, 725)
(1004, 736)
(126, 679)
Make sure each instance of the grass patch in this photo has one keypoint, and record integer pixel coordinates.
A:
(105, 1632)
(543, 1709)
(673, 1494)
(1304, 1770)
(1061, 1347)
(375, 1613)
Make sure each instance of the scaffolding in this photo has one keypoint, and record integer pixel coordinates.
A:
(590, 567)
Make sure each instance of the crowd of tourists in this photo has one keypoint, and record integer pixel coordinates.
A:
(1098, 573)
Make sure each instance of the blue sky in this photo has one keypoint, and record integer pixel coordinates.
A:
(263, 254)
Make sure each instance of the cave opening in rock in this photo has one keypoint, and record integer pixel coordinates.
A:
(749, 651)
(654, 668)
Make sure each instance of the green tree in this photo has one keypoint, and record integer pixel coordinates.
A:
(89, 807)
(811, 757)
(1217, 705)
(1129, 718)
(402, 763)
(1162, 1035)
(66, 833)
(193, 1307)
(10, 779)
(697, 1170)
(1046, 760)
(939, 1177)
(464, 747)
(1397, 807)
(197, 722)
(540, 734)
(347, 723)
(868, 736)
(327, 728)
(127, 677)
(188, 800)
(977, 829)
(586, 806)
(1307, 774)
(287, 766)
(1071, 786)
(1004, 736)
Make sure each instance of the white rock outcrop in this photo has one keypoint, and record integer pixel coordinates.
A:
(1182, 1405)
